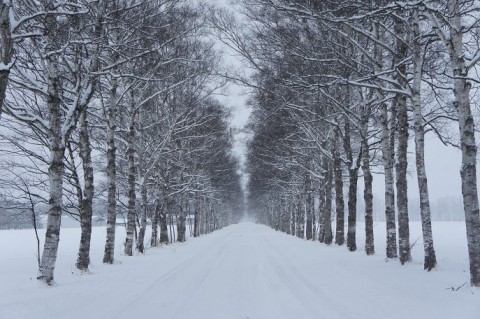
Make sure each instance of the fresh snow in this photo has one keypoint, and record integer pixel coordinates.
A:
(242, 271)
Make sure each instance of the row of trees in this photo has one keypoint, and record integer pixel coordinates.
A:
(339, 87)
(122, 88)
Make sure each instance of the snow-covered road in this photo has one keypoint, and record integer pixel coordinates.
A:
(244, 271)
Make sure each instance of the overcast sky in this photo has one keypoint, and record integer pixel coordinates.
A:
(443, 170)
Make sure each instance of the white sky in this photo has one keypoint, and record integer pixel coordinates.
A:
(443, 171)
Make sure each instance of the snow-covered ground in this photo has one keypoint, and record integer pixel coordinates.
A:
(242, 271)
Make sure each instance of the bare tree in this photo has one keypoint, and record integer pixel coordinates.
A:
(449, 24)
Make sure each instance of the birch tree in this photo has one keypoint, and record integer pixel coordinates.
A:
(450, 22)
(416, 87)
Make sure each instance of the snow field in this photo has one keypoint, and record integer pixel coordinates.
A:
(242, 271)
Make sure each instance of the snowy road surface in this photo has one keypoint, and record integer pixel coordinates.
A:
(243, 271)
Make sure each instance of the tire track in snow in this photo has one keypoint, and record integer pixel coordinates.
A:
(200, 275)
(294, 284)
(156, 287)
(255, 274)
(327, 295)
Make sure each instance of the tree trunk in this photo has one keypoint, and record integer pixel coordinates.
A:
(163, 222)
(352, 209)
(52, 235)
(207, 217)
(142, 180)
(214, 218)
(143, 222)
(402, 145)
(300, 213)
(85, 146)
(291, 208)
(109, 254)
(466, 124)
(201, 216)
(340, 205)
(401, 175)
(368, 189)
(74, 175)
(273, 218)
(203, 219)
(286, 215)
(132, 198)
(6, 49)
(87, 203)
(308, 208)
(56, 169)
(352, 190)
(391, 223)
(55, 172)
(387, 157)
(430, 260)
(328, 204)
(321, 204)
(181, 229)
(196, 220)
(156, 214)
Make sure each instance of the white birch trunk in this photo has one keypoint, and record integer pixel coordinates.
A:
(291, 208)
(55, 172)
(308, 207)
(352, 191)
(467, 139)
(6, 48)
(163, 222)
(203, 212)
(429, 251)
(340, 205)
(132, 197)
(367, 190)
(207, 216)
(143, 220)
(109, 254)
(52, 235)
(181, 228)
(156, 212)
(300, 214)
(196, 221)
(87, 200)
(328, 204)
(387, 157)
(321, 199)
(391, 223)
(56, 168)
(143, 188)
(400, 105)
